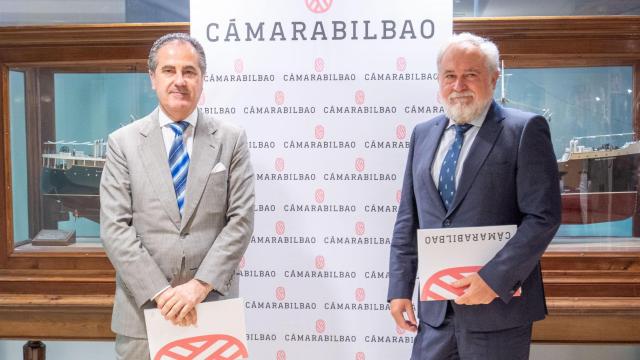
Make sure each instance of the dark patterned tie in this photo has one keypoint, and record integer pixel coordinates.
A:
(447, 180)
(179, 162)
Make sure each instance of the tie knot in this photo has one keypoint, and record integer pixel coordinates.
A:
(179, 127)
(462, 128)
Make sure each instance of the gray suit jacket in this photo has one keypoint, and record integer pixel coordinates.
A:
(509, 177)
(140, 225)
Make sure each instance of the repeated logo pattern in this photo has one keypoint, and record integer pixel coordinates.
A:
(318, 6)
(359, 97)
(318, 64)
(319, 195)
(238, 66)
(321, 326)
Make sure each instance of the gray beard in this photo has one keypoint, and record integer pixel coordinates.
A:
(463, 114)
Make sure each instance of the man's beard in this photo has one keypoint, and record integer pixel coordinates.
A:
(461, 112)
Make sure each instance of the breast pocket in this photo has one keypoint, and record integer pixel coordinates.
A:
(215, 192)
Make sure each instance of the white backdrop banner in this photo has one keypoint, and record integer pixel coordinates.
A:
(328, 92)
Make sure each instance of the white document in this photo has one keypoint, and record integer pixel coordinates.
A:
(220, 333)
(448, 255)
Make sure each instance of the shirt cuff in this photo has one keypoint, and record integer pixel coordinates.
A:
(160, 292)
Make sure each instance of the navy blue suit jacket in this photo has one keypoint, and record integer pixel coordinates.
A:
(509, 177)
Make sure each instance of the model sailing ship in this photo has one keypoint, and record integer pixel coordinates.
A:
(71, 177)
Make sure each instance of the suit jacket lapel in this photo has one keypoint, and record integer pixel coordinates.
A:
(204, 156)
(478, 152)
(154, 154)
(428, 149)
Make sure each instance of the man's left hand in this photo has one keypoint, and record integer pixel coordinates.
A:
(176, 303)
(477, 291)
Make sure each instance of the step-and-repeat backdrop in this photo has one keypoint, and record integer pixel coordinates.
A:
(328, 92)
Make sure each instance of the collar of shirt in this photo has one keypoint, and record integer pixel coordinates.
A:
(164, 119)
(448, 138)
(168, 135)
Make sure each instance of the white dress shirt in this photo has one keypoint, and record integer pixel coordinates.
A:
(168, 135)
(447, 139)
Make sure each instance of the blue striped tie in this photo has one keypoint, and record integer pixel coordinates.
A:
(447, 180)
(179, 162)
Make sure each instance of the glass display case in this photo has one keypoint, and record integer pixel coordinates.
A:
(56, 198)
(590, 113)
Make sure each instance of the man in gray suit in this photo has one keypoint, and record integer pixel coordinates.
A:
(502, 172)
(177, 198)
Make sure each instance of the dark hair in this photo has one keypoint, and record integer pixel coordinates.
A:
(153, 53)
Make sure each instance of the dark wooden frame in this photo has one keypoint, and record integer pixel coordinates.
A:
(593, 296)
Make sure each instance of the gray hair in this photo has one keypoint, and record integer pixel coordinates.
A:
(153, 53)
(488, 48)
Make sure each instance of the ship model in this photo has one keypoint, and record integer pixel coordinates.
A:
(71, 177)
(599, 184)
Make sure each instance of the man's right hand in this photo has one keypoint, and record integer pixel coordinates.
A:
(398, 309)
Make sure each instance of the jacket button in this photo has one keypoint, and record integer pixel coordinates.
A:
(447, 222)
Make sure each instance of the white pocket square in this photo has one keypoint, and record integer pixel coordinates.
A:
(219, 167)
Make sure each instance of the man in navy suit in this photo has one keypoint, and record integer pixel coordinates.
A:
(505, 173)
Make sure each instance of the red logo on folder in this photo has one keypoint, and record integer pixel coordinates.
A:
(438, 286)
(215, 347)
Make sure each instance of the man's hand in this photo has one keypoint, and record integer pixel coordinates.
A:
(477, 291)
(398, 308)
(178, 304)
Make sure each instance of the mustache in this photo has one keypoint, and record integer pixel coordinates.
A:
(456, 95)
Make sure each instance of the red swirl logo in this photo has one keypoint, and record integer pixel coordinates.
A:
(242, 263)
(360, 164)
(280, 293)
(200, 101)
(281, 355)
(359, 228)
(360, 356)
(398, 196)
(400, 330)
(318, 6)
(238, 66)
(280, 227)
(279, 164)
(319, 132)
(436, 288)
(321, 326)
(359, 97)
(401, 64)
(279, 97)
(224, 347)
(318, 64)
(360, 295)
(319, 195)
(320, 262)
(401, 132)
